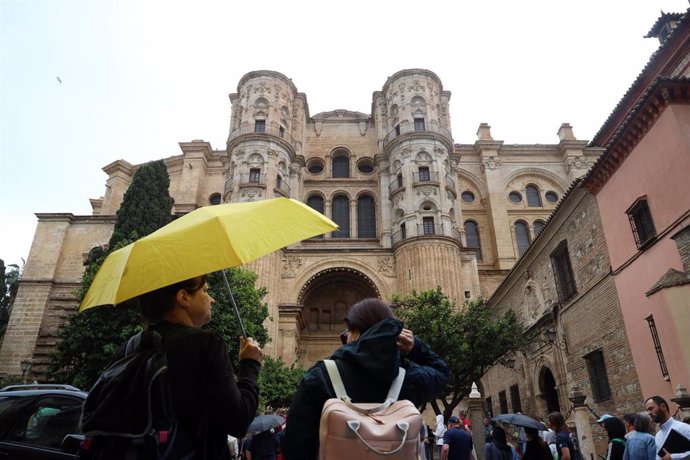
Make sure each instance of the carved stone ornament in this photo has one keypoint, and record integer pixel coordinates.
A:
(318, 126)
(575, 163)
(362, 127)
(252, 194)
(427, 191)
(386, 266)
(533, 300)
(491, 163)
(290, 266)
(272, 152)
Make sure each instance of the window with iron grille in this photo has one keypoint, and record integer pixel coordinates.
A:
(563, 272)
(419, 124)
(424, 174)
(533, 196)
(601, 391)
(428, 225)
(515, 399)
(657, 345)
(503, 402)
(341, 166)
(255, 175)
(366, 217)
(489, 407)
(472, 238)
(522, 236)
(641, 222)
(259, 126)
(341, 216)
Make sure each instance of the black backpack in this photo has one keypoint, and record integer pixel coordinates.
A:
(129, 414)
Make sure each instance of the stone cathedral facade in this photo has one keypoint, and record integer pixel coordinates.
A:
(416, 210)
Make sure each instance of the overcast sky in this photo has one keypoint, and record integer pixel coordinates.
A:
(140, 76)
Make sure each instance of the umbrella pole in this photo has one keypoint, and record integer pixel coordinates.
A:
(234, 305)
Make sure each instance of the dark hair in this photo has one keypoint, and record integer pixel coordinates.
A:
(155, 304)
(556, 419)
(659, 401)
(630, 419)
(499, 436)
(534, 434)
(614, 427)
(366, 313)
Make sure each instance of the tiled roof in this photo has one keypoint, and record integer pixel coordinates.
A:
(663, 19)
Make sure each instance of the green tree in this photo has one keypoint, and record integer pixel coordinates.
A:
(470, 339)
(277, 383)
(9, 284)
(146, 206)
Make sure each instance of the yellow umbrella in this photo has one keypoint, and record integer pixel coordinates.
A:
(206, 240)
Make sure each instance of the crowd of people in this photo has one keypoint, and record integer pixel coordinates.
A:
(212, 404)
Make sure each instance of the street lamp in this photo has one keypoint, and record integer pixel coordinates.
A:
(26, 367)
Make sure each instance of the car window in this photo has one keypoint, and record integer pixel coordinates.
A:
(6, 403)
(48, 421)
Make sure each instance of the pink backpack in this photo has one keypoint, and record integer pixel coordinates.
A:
(368, 430)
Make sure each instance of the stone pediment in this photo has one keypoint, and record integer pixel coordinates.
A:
(341, 115)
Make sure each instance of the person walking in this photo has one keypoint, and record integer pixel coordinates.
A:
(375, 346)
(498, 449)
(457, 442)
(616, 432)
(439, 432)
(641, 444)
(535, 447)
(658, 410)
(565, 448)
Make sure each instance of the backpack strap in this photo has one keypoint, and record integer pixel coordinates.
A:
(341, 393)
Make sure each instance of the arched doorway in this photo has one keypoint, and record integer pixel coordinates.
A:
(547, 387)
(326, 298)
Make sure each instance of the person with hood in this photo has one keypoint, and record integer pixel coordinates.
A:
(615, 429)
(375, 346)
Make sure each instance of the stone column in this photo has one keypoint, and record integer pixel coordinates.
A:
(682, 398)
(584, 429)
(475, 411)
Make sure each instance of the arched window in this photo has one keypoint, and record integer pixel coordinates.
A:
(341, 166)
(366, 217)
(340, 211)
(472, 238)
(522, 236)
(316, 203)
(533, 196)
(538, 227)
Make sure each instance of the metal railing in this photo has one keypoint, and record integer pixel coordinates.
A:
(450, 182)
(409, 128)
(283, 187)
(276, 131)
(258, 180)
(424, 177)
(429, 230)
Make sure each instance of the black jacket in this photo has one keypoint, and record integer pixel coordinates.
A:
(204, 387)
(367, 367)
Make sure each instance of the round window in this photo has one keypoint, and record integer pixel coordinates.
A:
(214, 199)
(467, 196)
(551, 196)
(365, 165)
(315, 166)
(515, 197)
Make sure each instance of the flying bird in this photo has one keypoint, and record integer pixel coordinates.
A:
(58, 79)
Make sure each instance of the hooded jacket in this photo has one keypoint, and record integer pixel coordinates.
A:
(367, 367)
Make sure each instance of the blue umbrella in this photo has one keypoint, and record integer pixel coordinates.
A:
(520, 420)
(265, 423)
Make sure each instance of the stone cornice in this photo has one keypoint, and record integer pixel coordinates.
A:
(119, 165)
(71, 218)
(265, 73)
(413, 72)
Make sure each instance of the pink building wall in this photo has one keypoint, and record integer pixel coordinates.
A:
(658, 167)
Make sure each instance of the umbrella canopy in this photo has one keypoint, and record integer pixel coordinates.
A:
(206, 240)
(265, 423)
(520, 420)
